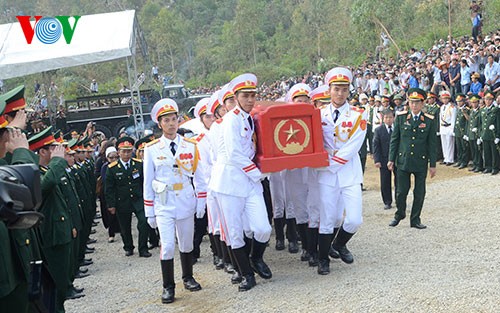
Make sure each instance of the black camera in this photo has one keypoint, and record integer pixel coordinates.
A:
(20, 196)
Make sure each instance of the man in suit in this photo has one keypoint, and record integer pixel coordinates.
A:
(412, 150)
(381, 141)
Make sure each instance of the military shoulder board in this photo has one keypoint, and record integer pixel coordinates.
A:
(190, 140)
(110, 165)
(152, 142)
(137, 160)
(429, 116)
(401, 112)
(200, 137)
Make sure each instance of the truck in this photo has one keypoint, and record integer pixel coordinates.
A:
(110, 112)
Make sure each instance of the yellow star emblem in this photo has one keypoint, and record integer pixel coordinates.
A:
(291, 133)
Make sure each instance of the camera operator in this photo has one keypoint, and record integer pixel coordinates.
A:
(56, 231)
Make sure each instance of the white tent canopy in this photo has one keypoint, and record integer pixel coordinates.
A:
(97, 38)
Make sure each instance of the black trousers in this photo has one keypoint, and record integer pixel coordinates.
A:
(386, 184)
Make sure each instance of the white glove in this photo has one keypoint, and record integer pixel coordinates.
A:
(453, 134)
(474, 130)
(200, 207)
(497, 140)
(152, 222)
(478, 141)
(438, 133)
(492, 127)
(465, 138)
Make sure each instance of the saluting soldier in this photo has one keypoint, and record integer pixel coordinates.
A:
(123, 191)
(490, 134)
(473, 134)
(170, 164)
(461, 139)
(237, 183)
(412, 150)
(432, 107)
(344, 131)
(57, 227)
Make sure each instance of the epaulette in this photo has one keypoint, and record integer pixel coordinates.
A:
(137, 160)
(236, 111)
(43, 169)
(360, 110)
(401, 112)
(322, 106)
(152, 142)
(200, 137)
(110, 165)
(190, 140)
(430, 116)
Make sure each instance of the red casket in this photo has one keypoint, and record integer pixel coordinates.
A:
(289, 135)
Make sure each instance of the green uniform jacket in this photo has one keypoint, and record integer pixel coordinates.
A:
(474, 124)
(489, 118)
(413, 144)
(461, 122)
(57, 225)
(84, 192)
(68, 188)
(123, 186)
(434, 110)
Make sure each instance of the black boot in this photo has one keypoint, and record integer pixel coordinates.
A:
(334, 254)
(187, 272)
(324, 241)
(248, 279)
(339, 244)
(291, 234)
(279, 223)
(226, 259)
(236, 278)
(302, 229)
(313, 246)
(220, 254)
(257, 262)
(167, 272)
(213, 247)
(248, 245)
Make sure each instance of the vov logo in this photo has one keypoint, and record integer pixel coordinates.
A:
(48, 29)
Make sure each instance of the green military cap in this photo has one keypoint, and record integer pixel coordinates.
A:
(474, 98)
(431, 95)
(41, 139)
(398, 97)
(58, 137)
(80, 146)
(460, 97)
(386, 98)
(141, 143)
(3, 121)
(14, 99)
(73, 144)
(125, 143)
(416, 94)
(489, 95)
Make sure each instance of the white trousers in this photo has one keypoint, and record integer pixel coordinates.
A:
(280, 196)
(245, 215)
(334, 201)
(169, 229)
(313, 205)
(298, 195)
(448, 145)
(213, 214)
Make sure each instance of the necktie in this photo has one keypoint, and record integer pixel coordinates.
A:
(172, 147)
(126, 166)
(415, 118)
(336, 115)
(390, 130)
(250, 121)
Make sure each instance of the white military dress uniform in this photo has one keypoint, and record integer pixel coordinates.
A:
(447, 117)
(236, 182)
(344, 132)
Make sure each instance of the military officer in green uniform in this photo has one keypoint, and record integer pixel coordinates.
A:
(433, 107)
(490, 134)
(18, 247)
(460, 130)
(473, 134)
(123, 192)
(412, 150)
(56, 229)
